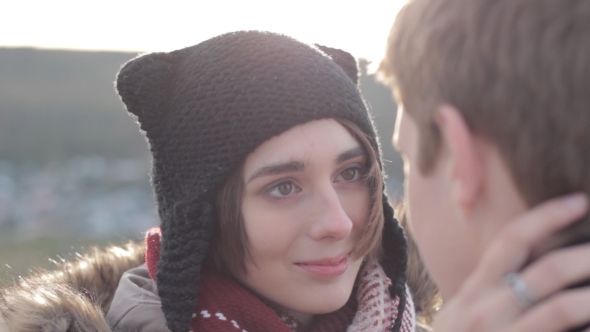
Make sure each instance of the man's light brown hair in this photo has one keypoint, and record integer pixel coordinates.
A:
(518, 71)
(229, 253)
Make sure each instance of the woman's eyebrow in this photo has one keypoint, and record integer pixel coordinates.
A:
(292, 166)
(349, 154)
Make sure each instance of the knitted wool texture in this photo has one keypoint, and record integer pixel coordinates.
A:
(204, 108)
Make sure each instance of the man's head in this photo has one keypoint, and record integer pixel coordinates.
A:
(494, 102)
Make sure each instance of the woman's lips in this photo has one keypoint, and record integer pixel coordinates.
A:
(328, 267)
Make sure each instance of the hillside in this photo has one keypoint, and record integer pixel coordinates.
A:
(73, 162)
(59, 104)
(74, 166)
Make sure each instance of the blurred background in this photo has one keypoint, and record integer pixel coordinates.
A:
(74, 168)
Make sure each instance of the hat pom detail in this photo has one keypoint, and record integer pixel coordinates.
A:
(152, 251)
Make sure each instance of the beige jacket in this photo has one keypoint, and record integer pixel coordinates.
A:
(136, 304)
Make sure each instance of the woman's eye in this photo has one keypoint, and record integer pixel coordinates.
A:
(282, 190)
(285, 188)
(350, 174)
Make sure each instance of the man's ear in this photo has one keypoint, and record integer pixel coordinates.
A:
(465, 157)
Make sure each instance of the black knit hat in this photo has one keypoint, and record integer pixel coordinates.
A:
(204, 109)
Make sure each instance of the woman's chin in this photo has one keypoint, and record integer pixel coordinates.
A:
(320, 304)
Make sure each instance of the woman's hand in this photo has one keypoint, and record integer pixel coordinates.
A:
(539, 301)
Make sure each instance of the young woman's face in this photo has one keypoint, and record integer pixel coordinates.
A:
(304, 206)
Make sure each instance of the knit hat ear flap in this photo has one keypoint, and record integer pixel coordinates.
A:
(186, 234)
(394, 260)
(144, 84)
(343, 59)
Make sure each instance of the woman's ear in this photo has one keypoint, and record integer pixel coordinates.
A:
(465, 157)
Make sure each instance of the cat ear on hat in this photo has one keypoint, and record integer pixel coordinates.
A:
(343, 59)
(144, 86)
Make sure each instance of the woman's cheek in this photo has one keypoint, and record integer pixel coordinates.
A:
(270, 229)
(356, 205)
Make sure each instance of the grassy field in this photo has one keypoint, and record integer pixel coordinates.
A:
(21, 258)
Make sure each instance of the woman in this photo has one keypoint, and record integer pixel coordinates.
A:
(267, 176)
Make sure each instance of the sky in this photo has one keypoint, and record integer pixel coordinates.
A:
(357, 26)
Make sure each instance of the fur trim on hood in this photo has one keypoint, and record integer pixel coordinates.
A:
(74, 298)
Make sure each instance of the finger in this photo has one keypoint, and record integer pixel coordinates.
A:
(564, 311)
(557, 270)
(511, 247)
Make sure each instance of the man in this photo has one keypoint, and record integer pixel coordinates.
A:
(494, 108)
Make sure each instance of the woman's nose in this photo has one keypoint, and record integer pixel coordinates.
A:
(330, 220)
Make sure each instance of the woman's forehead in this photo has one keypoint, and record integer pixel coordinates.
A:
(313, 142)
